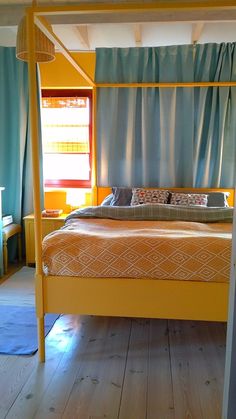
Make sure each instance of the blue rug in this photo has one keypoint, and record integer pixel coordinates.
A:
(18, 329)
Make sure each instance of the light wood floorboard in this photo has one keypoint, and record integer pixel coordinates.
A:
(197, 377)
(58, 345)
(134, 394)
(160, 403)
(118, 368)
(98, 385)
(12, 268)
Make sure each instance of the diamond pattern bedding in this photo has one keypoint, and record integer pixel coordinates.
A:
(180, 250)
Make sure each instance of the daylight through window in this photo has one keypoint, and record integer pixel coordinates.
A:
(66, 132)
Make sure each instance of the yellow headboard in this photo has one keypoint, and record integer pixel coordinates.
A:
(102, 192)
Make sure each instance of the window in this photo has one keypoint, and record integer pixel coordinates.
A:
(66, 133)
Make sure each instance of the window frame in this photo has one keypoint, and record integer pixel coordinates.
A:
(72, 183)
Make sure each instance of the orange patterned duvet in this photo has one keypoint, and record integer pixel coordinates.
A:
(140, 249)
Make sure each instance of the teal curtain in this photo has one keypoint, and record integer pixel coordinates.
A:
(215, 117)
(15, 148)
(166, 137)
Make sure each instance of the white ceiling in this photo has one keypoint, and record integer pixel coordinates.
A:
(164, 28)
(151, 34)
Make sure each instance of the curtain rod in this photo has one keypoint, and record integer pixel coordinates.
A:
(171, 84)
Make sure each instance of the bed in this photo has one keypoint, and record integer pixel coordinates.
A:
(114, 296)
(143, 295)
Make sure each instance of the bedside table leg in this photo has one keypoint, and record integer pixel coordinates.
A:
(5, 256)
(19, 247)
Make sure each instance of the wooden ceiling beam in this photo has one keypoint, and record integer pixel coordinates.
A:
(42, 24)
(138, 34)
(10, 15)
(197, 29)
(82, 33)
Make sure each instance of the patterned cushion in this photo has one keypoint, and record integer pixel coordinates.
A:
(188, 199)
(149, 196)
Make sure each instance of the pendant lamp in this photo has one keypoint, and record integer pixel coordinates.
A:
(44, 48)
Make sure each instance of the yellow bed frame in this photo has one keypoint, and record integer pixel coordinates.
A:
(116, 296)
(172, 299)
(137, 297)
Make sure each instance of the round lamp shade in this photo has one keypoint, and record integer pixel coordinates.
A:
(44, 48)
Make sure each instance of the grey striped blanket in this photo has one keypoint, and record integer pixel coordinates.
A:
(163, 212)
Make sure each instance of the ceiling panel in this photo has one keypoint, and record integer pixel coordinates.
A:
(218, 32)
(160, 34)
(8, 37)
(136, 32)
(112, 35)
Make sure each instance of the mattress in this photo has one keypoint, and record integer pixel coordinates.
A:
(181, 250)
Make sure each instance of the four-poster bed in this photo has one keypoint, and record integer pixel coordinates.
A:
(99, 296)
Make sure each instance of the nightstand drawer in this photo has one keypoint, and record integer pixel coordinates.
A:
(48, 225)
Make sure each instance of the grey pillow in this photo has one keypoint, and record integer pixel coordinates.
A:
(121, 196)
(217, 199)
(107, 200)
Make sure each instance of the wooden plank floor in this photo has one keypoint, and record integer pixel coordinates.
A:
(118, 368)
(104, 367)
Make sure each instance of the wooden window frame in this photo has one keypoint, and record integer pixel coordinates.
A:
(72, 183)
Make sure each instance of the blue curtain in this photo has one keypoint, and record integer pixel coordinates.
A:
(215, 117)
(169, 136)
(15, 148)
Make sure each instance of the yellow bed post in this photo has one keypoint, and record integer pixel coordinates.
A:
(94, 150)
(33, 100)
(34, 131)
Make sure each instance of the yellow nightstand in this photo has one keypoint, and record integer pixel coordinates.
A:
(49, 224)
